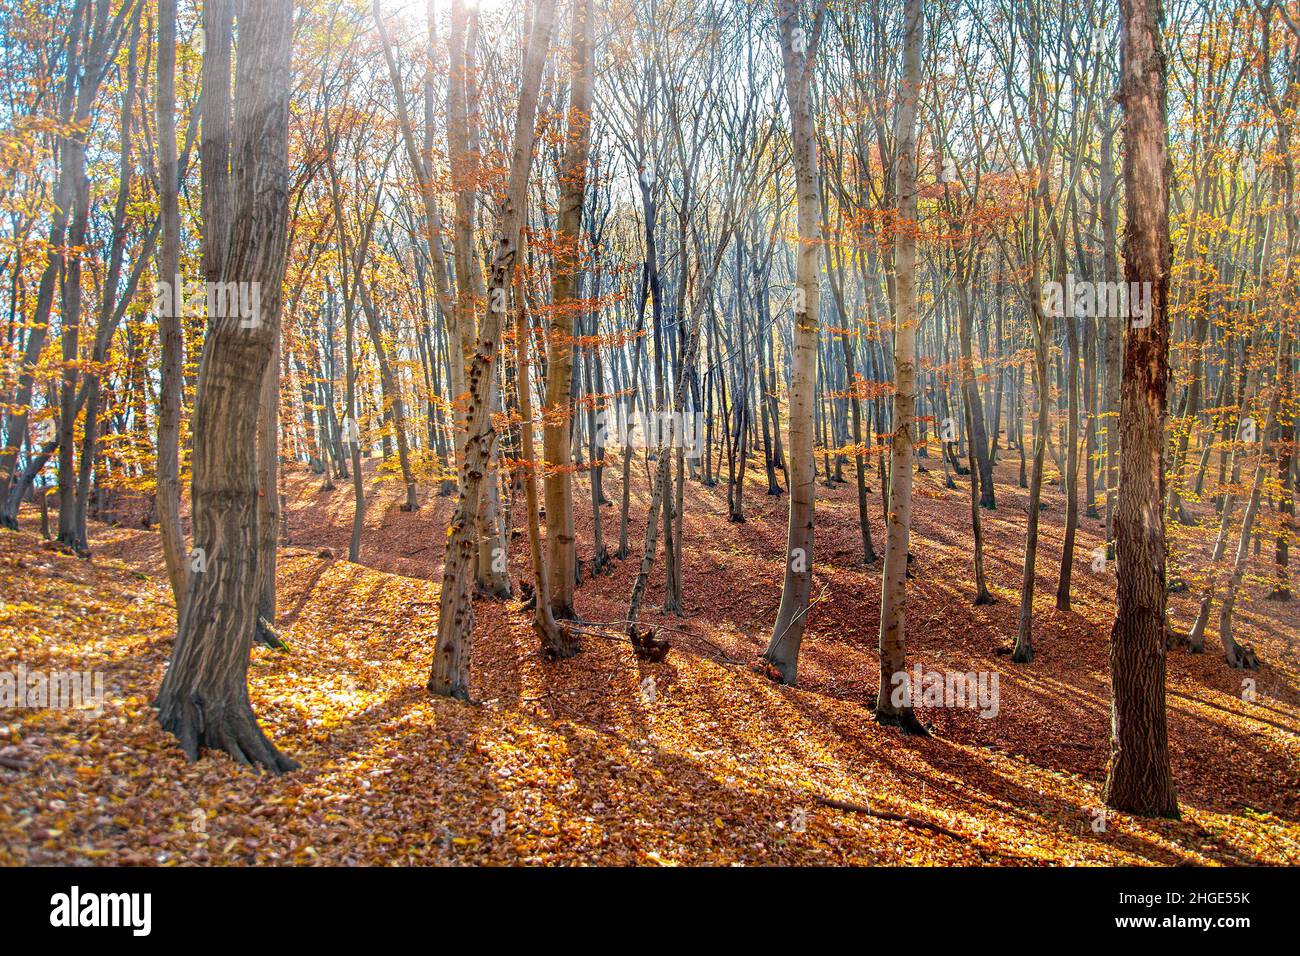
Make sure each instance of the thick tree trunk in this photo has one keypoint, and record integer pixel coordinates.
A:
(204, 695)
(1139, 779)
(214, 141)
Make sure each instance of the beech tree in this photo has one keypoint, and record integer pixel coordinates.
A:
(1139, 778)
(170, 333)
(557, 437)
(898, 519)
(450, 672)
(204, 700)
(798, 54)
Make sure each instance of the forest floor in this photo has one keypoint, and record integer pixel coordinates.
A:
(605, 759)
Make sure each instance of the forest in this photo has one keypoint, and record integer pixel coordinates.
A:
(649, 432)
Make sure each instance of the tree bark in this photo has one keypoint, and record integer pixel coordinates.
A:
(449, 675)
(1139, 778)
(898, 519)
(556, 641)
(557, 436)
(798, 52)
(204, 696)
(169, 320)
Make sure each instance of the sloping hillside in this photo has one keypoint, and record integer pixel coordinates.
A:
(602, 758)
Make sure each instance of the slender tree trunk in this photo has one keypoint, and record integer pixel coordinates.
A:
(1071, 466)
(557, 437)
(74, 110)
(169, 320)
(268, 498)
(976, 428)
(1286, 499)
(352, 427)
(891, 708)
(421, 166)
(556, 641)
(449, 674)
(70, 323)
(1234, 653)
(1112, 333)
(1023, 652)
(392, 391)
(869, 555)
(798, 54)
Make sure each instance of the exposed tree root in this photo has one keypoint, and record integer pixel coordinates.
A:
(266, 634)
(558, 642)
(494, 593)
(1244, 658)
(905, 720)
(647, 645)
(232, 729)
(761, 665)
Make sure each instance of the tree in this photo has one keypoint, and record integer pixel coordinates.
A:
(449, 675)
(798, 53)
(556, 640)
(204, 696)
(898, 519)
(169, 322)
(557, 436)
(1139, 778)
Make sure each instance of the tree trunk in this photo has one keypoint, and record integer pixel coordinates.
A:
(557, 642)
(557, 437)
(204, 695)
(890, 709)
(797, 55)
(1071, 466)
(1139, 779)
(169, 320)
(449, 675)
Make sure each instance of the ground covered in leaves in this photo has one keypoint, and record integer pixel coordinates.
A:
(605, 759)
